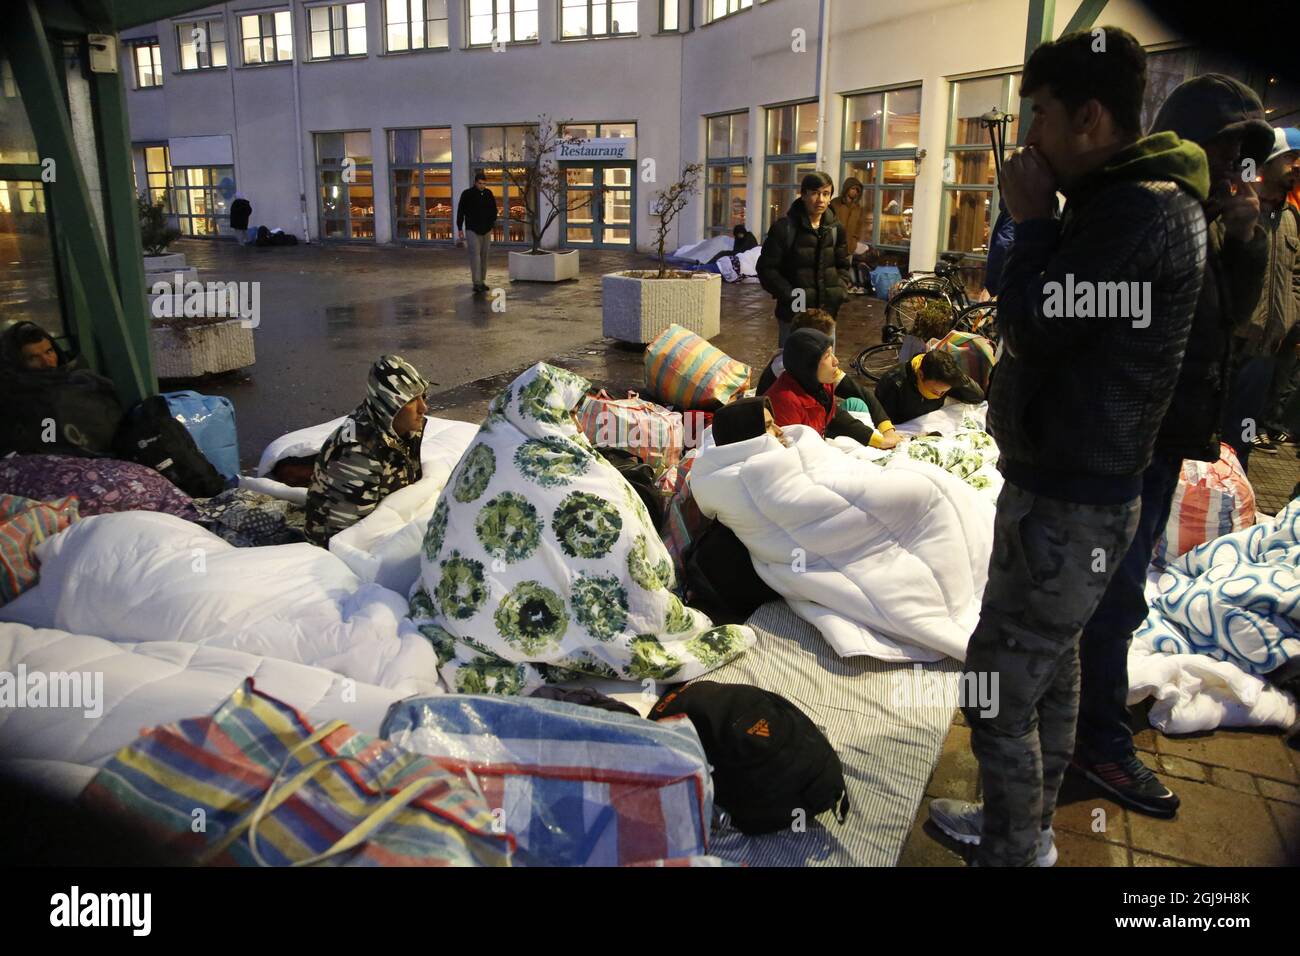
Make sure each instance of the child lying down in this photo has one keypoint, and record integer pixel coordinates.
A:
(889, 562)
(541, 564)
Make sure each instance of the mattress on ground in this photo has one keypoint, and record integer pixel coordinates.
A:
(886, 721)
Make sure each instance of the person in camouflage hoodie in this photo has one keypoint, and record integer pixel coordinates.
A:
(375, 452)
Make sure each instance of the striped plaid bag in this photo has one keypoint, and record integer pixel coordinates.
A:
(649, 431)
(576, 785)
(1212, 499)
(270, 790)
(25, 523)
(685, 371)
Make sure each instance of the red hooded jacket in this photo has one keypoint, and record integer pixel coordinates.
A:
(792, 405)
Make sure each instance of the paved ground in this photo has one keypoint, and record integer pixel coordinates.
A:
(328, 311)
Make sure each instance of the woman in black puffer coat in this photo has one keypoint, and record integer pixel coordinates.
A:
(806, 249)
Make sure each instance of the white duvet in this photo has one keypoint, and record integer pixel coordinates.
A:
(145, 576)
(143, 685)
(888, 562)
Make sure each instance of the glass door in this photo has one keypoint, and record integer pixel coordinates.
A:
(598, 205)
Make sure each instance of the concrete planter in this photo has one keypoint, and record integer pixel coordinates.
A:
(195, 349)
(636, 307)
(170, 262)
(547, 267)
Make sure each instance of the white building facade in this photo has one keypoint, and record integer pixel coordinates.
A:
(363, 121)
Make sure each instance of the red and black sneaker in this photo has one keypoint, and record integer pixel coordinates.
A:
(1130, 783)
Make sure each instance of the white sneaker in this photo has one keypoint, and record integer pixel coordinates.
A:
(963, 821)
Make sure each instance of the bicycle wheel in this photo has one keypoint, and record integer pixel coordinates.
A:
(927, 306)
(873, 363)
(979, 319)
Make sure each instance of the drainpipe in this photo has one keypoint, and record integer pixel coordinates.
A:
(823, 69)
(297, 133)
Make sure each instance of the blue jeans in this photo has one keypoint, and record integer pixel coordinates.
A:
(1104, 733)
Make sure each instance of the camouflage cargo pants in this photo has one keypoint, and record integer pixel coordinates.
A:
(1050, 566)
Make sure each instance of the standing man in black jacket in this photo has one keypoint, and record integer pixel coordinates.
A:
(1226, 119)
(805, 259)
(1094, 310)
(477, 209)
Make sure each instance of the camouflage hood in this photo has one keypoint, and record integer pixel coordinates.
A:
(393, 383)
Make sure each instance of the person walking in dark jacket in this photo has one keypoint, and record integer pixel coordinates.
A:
(921, 385)
(805, 259)
(1074, 406)
(1226, 119)
(241, 211)
(477, 210)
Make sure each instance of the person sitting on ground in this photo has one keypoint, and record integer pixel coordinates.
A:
(375, 452)
(804, 394)
(52, 405)
(920, 386)
(742, 241)
(855, 397)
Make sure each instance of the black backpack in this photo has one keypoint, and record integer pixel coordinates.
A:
(720, 577)
(772, 767)
(641, 477)
(149, 435)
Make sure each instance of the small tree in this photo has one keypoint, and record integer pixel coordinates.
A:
(155, 234)
(539, 179)
(668, 203)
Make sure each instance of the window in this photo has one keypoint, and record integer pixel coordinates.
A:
(415, 25)
(970, 198)
(345, 184)
(597, 18)
(266, 37)
(726, 179)
(791, 155)
(880, 137)
(668, 12)
(158, 174)
(337, 30)
(202, 199)
(146, 58)
(419, 161)
(202, 44)
(599, 130)
(491, 148)
(502, 21)
(717, 9)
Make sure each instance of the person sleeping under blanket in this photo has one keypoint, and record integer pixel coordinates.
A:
(892, 560)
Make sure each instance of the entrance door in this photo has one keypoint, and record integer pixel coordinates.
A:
(598, 205)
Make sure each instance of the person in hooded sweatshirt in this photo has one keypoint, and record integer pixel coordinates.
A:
(847, 207)
(804, 393)
(1075, 407)
(375, 452)
(1225, 119)
(805, 259)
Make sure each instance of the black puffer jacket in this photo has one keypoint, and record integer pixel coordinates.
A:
(1076, 400)
(796, 256)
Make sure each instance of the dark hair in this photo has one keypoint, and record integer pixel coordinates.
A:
(480, 175)
(739, 230)
(815, 181)
(940, 366)
(818, 319)
(1074, 72)
(29, 333)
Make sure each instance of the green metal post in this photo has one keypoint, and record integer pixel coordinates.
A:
(1039, 29)
(1085, 16)
(28, 50)
(121, 215)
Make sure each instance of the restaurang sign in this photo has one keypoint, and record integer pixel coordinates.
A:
(597, 150)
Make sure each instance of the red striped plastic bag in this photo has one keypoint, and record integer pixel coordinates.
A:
(649, 431)
(1212, 499)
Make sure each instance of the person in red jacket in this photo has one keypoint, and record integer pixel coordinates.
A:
(804, 394)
